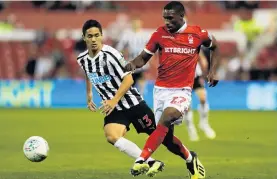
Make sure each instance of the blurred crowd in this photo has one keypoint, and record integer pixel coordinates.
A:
(51, 56)
(259, 60)
(116, 5)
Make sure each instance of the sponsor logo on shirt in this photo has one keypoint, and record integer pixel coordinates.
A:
(167, 37)
(95, 79)
(179, 50)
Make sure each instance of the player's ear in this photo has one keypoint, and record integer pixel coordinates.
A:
(83, 37)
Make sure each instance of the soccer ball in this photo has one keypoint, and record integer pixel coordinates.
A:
(36, 149)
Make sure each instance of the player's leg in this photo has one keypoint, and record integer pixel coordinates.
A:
(173, 144)
(192, 132)
(188, 116)
(173, 111)
(203, 110)
(196, 169)
(144, 122)
(174, 104)
(115, 127)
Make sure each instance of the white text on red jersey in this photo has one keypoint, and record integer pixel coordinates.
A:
(179, 50)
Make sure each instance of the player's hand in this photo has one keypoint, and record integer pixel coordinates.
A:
(91, 106)
(212, 81)
(130, 67)
(108, 106)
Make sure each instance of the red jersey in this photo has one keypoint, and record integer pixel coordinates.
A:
(178, 54)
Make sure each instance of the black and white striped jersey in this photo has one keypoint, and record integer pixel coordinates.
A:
(134, 41)
(106, 73)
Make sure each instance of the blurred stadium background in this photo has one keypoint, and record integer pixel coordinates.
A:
(39, 41)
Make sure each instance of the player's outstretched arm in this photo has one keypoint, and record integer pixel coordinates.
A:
(90, 103)
(139, 61)
(109, 105)
(214, 62)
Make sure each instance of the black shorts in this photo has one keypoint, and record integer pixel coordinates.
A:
(199, 82)
(141, 116)
(136, 76)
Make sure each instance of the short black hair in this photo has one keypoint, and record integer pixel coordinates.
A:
(176, 6)
(91, 23)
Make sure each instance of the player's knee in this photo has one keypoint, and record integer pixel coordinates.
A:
(202, 101)
(112, 138)
(169, 115)
(202, 98)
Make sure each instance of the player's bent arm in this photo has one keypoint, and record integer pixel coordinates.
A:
(139, 61)
(89, 89)
(124, 87)
(214, 57)
(203, 62)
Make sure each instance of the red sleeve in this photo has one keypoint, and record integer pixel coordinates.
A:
(152, 45)
(205, 37)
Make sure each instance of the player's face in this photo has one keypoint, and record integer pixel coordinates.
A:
(93, 38)
(173, 20)
(136, 24)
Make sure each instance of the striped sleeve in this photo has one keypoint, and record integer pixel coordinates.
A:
(117, 61)
(119, 64)
(80, 59)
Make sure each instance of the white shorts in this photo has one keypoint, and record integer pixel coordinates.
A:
(167, 97)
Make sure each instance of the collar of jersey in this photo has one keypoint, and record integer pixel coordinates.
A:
(182, 28)
(97, 55)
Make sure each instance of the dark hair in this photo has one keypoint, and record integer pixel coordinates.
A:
(176, 6)
(91, 23)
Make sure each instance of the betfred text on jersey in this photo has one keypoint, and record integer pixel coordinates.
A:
(179, 50)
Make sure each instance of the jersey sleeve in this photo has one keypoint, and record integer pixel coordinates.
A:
(81, 61)
(152, 45)
(205, 37)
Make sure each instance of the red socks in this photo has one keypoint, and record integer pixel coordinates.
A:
(182, 148)
(154, 141)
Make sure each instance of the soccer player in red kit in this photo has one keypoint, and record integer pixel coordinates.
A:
(178, 45)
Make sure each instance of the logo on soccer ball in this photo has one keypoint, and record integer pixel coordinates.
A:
(190, 38)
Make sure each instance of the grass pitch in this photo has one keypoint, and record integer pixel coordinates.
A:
(245, 147)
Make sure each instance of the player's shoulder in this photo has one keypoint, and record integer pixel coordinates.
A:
(111, 51)
(160, 30)
(195, 29)
(82, 55)
(107, 48)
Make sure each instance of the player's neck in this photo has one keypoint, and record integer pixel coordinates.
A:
(181, 25)
(93, 53)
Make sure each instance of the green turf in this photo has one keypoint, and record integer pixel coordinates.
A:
(245, 147)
